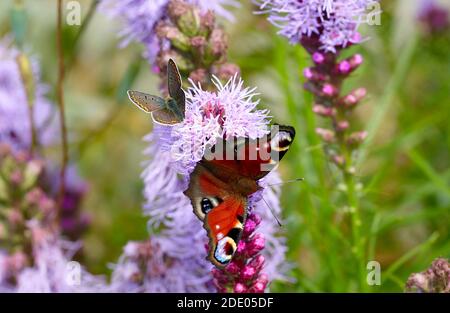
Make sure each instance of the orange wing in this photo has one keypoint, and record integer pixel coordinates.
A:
(223, 214)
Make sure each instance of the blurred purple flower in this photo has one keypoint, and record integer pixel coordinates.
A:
(335, 23)
(435, 279)
(140, 18)
(434, 16)
(149, 267)
(73, 220)
(53, 270)
(14, 114)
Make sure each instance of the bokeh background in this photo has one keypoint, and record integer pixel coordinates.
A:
(405, 174)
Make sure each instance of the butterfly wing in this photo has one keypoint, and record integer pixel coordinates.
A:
(223, 214)
(252, 159)
(146, 102)
(165, 117)
(175, 86)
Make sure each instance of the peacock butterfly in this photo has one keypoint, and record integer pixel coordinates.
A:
(223, 180)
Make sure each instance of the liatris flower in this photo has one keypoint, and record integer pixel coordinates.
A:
(434, 16)
(149, 267)
(32, 257)
(229, 111)
(325, 28)
(73, 220)
(19, 95)
(249, 271)
(193, 39)
(334, 24)
(433, 280)
(52, 269)
(325, 80)
(142, 16)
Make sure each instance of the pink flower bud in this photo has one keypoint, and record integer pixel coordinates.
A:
(323, 110)
(318, 58)
(343, 125)
(232, 268)
(240, 288)
(241, 247)
(256, 244)
(329, 90)
(344, 67)
(249, 227)
(326, 134)
(308, 73)
(248, 272)
(257, 262)
(356, 60)
(255, 218)
(260, 284)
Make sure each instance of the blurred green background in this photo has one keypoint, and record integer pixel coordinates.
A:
(405, 172)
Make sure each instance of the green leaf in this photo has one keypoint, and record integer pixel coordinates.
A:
(19, 23)
(128, 80)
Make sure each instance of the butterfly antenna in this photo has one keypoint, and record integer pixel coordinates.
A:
(287, 182)
(273, 212)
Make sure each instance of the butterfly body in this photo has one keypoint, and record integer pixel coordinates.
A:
(167, 111)
(219, 190)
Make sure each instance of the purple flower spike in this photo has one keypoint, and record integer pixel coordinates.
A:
(140, 18)
(15, 127)
(333, 23)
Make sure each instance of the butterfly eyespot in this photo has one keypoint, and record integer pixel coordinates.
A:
(206, 205)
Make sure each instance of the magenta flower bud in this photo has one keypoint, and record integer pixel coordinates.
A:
(256, 244)
(329, 90)
(349, 100)
(239, 288)
(249, 227)
(255, 218)
(241, 247)
(308, 73)
(344, 67)
(232, 268)
(355, 38)
(356, 60)
(258, 287)
(343, 125)
(318, 58)
(353, 98)
(257, 262)
(326, 134)
(323, 110)
(248, 272)
(260, 284)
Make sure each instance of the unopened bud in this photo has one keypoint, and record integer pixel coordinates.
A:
(318, 58)
(324, 111)
(326, 134)
(357, 138)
